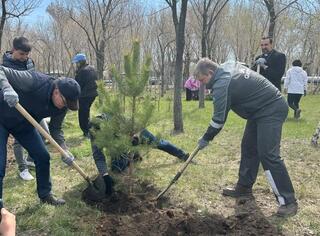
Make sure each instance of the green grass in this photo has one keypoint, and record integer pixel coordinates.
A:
(200, 185)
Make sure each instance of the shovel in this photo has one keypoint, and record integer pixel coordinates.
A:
(179, 173)
(92, 190)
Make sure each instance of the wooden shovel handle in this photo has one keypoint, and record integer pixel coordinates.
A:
(50, 139)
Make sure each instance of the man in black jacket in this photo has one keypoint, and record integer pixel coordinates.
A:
(41, 96)
(86, 76)
(272, 63)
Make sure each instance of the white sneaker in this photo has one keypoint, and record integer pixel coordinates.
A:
(25, 175)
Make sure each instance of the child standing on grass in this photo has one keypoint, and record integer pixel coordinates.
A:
(295, 85)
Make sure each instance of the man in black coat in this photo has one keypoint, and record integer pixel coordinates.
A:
(41, 96)
(18, 59)
(86, 76)
(272, 63)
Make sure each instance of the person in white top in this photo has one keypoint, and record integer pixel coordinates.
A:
(295, 84)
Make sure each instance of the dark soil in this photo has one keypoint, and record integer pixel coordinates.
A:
(138, 214)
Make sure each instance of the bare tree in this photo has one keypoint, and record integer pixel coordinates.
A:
(100, 20)
(207, 11)
(273, 15)
(179, 25)
(15, 9)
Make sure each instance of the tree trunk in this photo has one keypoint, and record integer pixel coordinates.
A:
(203, 54)
(3, 20)
(180, 42)
(162, 74)
(100, 59)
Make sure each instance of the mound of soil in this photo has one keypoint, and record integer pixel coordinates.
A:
(139, 214)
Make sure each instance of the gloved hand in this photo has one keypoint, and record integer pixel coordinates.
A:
(68, 159)
(109, 184)
(135, 140)
(202, 143)
(11, 97)
(262, 62)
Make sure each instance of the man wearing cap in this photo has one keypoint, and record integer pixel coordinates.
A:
(86, 76)
(41, 96)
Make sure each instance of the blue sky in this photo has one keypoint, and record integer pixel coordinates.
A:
(41, 14)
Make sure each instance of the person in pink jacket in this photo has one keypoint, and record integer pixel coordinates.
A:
(192, 88)
(295, 84)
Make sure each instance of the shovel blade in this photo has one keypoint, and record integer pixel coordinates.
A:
(95, 192)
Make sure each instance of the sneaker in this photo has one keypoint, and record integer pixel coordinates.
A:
(25, 175)
(287, 210)
(238, 191)
(52, 200)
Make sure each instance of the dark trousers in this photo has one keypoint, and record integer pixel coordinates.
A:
(188, 94)
(84, 113)
(192, 95)
(31, 140)
(293, 100)
(261, 143)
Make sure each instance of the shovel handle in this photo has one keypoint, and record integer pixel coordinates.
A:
(179, 173)
(50, 139)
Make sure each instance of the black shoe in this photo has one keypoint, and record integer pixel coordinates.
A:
(184, 157)
(287, 210)
(52, 200)
(238, 191)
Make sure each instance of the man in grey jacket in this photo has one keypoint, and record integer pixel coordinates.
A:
(255, 99)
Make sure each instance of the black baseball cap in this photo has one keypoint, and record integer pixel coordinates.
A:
(70, 90)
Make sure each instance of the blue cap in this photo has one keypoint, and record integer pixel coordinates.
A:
(79, 57)
(70, 90)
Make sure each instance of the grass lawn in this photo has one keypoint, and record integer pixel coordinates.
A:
(199, 187)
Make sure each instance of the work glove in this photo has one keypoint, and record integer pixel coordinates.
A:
(202, 143)
(262, 62)
(109, 184)
(11, 97)
(68, 159)
(135, 140)
(304, 92)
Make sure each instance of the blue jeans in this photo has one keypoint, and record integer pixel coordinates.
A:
(161, 144)
(31, 140)
(121, 163)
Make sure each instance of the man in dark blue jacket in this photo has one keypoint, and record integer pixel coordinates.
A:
(86, 77)
(41, 96)
(255, 99)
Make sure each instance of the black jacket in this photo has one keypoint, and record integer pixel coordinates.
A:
(276, 62)
(86, 77)
(8, 61)
(35, 91)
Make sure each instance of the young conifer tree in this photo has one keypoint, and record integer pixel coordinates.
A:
(123, 120)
